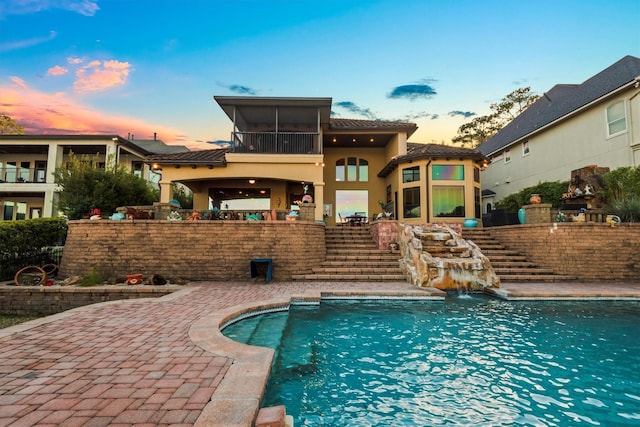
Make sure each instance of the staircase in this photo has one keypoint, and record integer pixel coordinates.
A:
(353, 256)
(509, 265)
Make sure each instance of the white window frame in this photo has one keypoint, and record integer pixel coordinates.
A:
(526, 148)
(507, 155)
(610, 122)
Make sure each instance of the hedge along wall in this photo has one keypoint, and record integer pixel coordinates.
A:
(191, 250)
(589, 251)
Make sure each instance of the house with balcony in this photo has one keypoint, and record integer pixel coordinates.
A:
(594, 124)
(27, 163)
(284, 151)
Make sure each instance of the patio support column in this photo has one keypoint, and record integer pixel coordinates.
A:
(165, 191)
(319, 199)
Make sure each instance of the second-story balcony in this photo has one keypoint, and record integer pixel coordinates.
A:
(276, 142)
(19, 175)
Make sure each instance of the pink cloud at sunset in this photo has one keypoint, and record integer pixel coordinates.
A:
(98, 75)
(57, 113)
(57, 71)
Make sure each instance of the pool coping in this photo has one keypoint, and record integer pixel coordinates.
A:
(237, 399)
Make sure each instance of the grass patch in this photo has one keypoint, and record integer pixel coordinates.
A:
(7, 320)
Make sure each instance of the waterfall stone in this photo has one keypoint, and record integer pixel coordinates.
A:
(434, 255)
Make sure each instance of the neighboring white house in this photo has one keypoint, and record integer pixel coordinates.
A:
(27, 163)
(571, 126)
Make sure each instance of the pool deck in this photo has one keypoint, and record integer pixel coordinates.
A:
(163, 361)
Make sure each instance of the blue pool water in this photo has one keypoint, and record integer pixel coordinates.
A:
(465, 361)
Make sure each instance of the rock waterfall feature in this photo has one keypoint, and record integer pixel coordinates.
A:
(434, 255)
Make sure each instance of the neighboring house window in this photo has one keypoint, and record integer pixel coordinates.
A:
(411, 174)
(448, 201)
(616, 118)
(411, 202)
(136, 168)
(525, 148)
(447, 172)
(352, 169)
(507, 156)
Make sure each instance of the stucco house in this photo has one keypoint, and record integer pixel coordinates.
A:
(27, 162)
(286, 150)
(571, 126)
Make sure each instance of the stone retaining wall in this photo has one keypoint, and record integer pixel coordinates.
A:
(191, 250)
(50, 300)
(589, 251)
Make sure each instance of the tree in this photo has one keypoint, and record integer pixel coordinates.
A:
(8, 126)
(481, 128)
(85, 187)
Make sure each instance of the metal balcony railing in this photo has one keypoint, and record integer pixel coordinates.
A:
(276, 142)
(18, 174)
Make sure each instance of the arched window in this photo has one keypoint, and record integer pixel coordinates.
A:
(352, 169)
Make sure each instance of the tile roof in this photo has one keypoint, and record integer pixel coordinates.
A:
(372, 125)
(157, 146)
(204, 156)
(417, 151)
(563, 100)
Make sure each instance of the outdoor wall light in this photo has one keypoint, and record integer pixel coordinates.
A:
(177, 166)
(193, 166)
(210, 166)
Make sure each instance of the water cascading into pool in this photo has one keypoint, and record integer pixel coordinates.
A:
(434, 255)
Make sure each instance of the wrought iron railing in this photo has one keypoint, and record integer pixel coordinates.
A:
(276, 142)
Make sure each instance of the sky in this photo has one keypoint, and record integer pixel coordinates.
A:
(139, 67)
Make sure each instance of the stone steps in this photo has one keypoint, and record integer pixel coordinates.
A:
(510, 265)
(352, 255)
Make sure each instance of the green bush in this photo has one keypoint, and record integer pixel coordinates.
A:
(550, 192)
(621, 184)
(628, 210)
(85, 187)
(30, 235)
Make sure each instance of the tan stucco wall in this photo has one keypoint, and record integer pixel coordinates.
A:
(375, 186)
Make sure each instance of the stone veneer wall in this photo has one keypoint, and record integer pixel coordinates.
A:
(50, 300)
(191, 250)
(385, 232)
(589, 251)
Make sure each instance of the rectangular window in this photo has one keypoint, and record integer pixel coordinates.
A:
(447, 172)
(8, 211)
(363, 171)
(340, 175)
(525, 148)
(348, 202)
(507, 156)
(411, 174)
(352, 169)
(448, 201)
(616, 118)
(476, 174)
(411, 202)
(136, 168)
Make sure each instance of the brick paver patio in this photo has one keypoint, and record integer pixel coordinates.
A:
(134, 362)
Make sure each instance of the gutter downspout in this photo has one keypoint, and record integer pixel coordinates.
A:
(428, 210)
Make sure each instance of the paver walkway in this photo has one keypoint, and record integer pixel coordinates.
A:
(132, 363)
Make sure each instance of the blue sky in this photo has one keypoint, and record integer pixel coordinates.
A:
(139, 67)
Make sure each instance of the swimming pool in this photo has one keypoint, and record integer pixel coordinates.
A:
(464, 361)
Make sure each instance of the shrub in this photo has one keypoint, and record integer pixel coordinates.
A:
(621, 184)
(85, 186)
(628, 210)
(550, 192)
